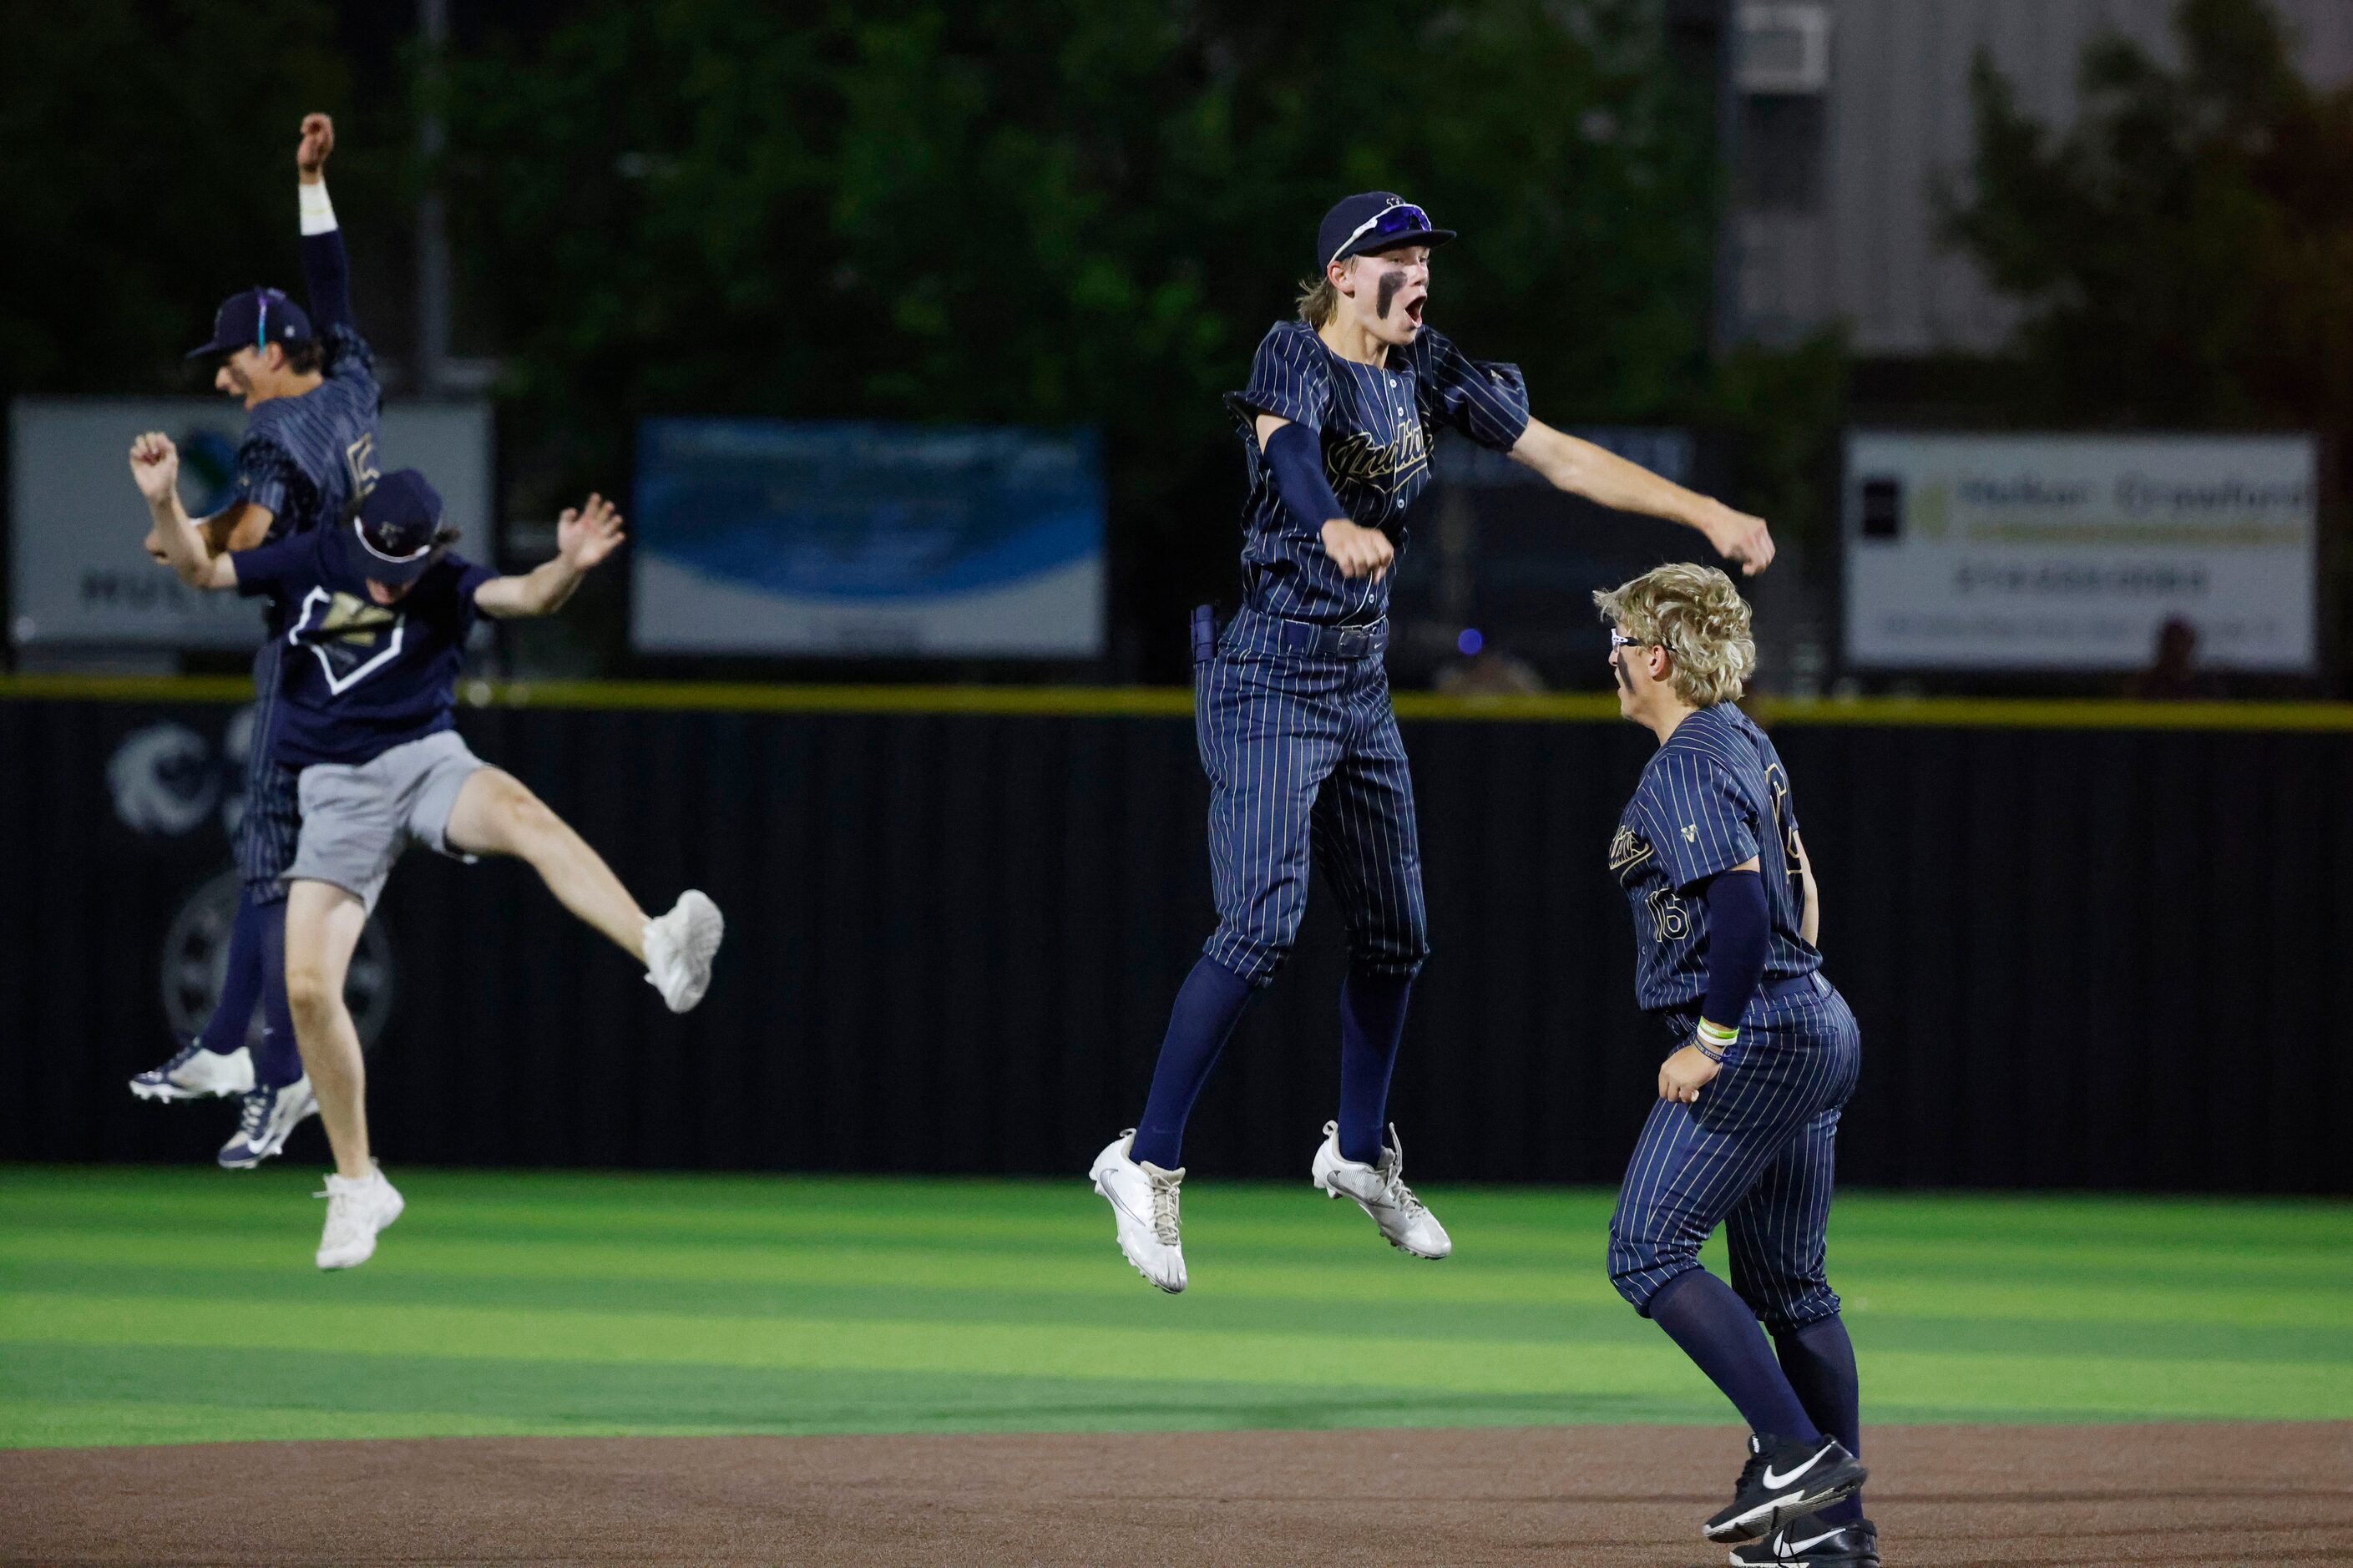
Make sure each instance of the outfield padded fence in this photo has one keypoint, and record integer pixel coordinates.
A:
(2090, 944)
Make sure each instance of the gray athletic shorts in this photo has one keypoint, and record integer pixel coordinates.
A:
(358, 817)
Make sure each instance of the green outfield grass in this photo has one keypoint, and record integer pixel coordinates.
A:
(148, 1305)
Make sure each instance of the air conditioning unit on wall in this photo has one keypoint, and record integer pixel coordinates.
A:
(1783, 48)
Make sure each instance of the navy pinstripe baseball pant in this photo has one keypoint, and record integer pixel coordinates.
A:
(1304, 757)
(1753, 1155)
(271, 823)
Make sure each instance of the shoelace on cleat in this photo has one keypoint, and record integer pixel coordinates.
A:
(180, 1059)
(1391, 1169)
(1164, 1209)
(256, 1108)
(1395, 1192)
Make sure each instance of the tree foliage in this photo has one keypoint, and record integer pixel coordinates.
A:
(1063, 211)
(134, 143)
(2185, 250)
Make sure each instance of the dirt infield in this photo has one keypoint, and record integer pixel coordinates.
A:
(1593, 1496)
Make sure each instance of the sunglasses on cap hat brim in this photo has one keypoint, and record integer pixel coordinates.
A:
(384, 566)
(1403, 223)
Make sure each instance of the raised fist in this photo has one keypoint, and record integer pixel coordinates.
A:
(318, 141)
(154, 465)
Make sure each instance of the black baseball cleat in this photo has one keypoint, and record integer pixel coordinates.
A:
(1784, 1480)
(1807, 1542)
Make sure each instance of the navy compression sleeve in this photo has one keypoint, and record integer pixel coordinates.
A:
(1738, 929)
(327, 276)
(1297, 456)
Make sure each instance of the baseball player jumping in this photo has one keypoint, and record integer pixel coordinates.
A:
(308, 382)
(1291, 702)
(1766, 1054)
(376, 610)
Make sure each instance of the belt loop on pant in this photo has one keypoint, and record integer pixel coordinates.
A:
(1808, 984)
(1317, 640)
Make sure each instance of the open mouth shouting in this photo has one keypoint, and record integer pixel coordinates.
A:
(1396, 299)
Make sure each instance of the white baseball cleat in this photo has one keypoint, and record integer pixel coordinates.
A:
(356, 1210)
(1142, 1199)
(679, 947)
(1380, 1191)
(194, 1073)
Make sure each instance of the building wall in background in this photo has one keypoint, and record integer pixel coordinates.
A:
(2083, 956)
(1838, 218)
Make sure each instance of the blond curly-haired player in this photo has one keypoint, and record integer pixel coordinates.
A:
(1761, 1054)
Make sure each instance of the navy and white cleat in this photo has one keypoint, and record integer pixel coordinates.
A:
(195, 1073)
(1807, 1542)
(1784, 1480)
(267, 1116)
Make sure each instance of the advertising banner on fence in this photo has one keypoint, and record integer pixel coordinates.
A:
(758, 536)
(77, 575)
(1968, 551)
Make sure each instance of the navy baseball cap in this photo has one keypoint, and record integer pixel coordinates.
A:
(255, 317)
(397, 524)
(1374, 221)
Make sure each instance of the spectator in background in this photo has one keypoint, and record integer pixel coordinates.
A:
(1486, 670)
(2174, 676)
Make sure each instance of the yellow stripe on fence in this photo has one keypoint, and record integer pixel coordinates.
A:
(1171, 701)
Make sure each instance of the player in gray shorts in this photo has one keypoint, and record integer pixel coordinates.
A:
(357, 818)
(376, 609)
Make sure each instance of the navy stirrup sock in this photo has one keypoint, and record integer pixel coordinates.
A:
(225, 1031)
(1820, 1362)
(1209, 1005)
(1372, 1020)
(278, 1061)
(1718, 1331)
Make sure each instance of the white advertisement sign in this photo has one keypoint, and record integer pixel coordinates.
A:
(2070, 551)
(77, 575)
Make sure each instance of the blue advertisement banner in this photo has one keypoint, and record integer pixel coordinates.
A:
(764, 536)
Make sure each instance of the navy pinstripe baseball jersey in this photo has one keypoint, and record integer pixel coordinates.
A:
(1375, 424)
(306, 457)
(1714, 795)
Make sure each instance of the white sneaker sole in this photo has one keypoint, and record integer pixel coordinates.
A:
(1324, 1185)
(1118, 1216)
(698, 949)
(342, 1260)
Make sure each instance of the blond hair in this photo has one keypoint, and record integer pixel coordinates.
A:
(1699, 618)
(1318, 300)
